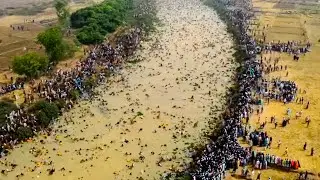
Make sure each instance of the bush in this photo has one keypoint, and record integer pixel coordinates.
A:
(45, 112)
(24, 133)
(43, 119)
(75, 94)
(56, 48)
(5, 109)
(90, 35)
(89, 83)
(60, 103)
(30, 64)
(96, 21)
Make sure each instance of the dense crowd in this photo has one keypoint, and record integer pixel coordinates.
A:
(291, 47)
(18, 84)
(102, 59)
(262, 161)
(224, 152)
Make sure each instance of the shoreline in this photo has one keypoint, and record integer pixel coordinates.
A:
(215, 159)
(173, 95)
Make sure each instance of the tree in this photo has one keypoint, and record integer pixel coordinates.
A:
(97, 21)
(30, 64)
(62, 12)
(56, 48)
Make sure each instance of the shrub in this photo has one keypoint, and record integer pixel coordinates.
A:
(96, 21)
(89, 83)
(75, 94)
(43, 119)
(90, 35)
(45, 112)
(60, 103)
(24, 133)
(30, 64)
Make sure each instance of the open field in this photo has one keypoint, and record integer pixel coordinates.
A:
(16, 42)
(287, 21)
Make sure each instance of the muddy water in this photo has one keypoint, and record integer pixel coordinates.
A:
(146, 115)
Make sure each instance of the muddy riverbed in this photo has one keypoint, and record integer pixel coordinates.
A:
(145, 115)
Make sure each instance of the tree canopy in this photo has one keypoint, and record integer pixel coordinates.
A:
(93, 23)
(45, 112)
(56, 47)
(30, 64)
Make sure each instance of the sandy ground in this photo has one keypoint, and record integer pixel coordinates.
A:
(305, 73)
(179, 85)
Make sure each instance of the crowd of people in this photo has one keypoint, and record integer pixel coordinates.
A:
(262, 161)
(284, 91)
(291, 47)
(11, 87)
(261, 139)
(102, 59)
(224, 152)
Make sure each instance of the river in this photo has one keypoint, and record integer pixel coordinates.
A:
(145, 116)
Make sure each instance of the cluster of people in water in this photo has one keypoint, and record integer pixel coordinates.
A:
(101, 60)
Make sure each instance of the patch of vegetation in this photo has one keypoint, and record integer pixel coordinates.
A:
(75, 94)
(45, 112)
(23, 133)
(60, 103)
(62, 12)
(94, 22)
(56, 47)
(143, 15)
(89, 83)
(30, 64)
(6, 107)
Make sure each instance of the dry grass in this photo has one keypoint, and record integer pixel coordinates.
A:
(13, 42)
(299, 27)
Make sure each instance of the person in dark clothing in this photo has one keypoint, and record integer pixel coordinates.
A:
(259, 176)
(307, 107)
(305, 146)
(300, 175)
(306, 175)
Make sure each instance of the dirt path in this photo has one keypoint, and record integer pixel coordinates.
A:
(177, 87)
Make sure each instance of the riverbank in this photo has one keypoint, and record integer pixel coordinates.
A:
(211, 163)
(143, 118)
(299, 25)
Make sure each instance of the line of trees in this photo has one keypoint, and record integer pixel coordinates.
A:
(93, 23)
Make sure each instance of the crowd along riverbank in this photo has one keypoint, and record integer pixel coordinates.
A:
(52, 96)
(144, 116)
(224, 152)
